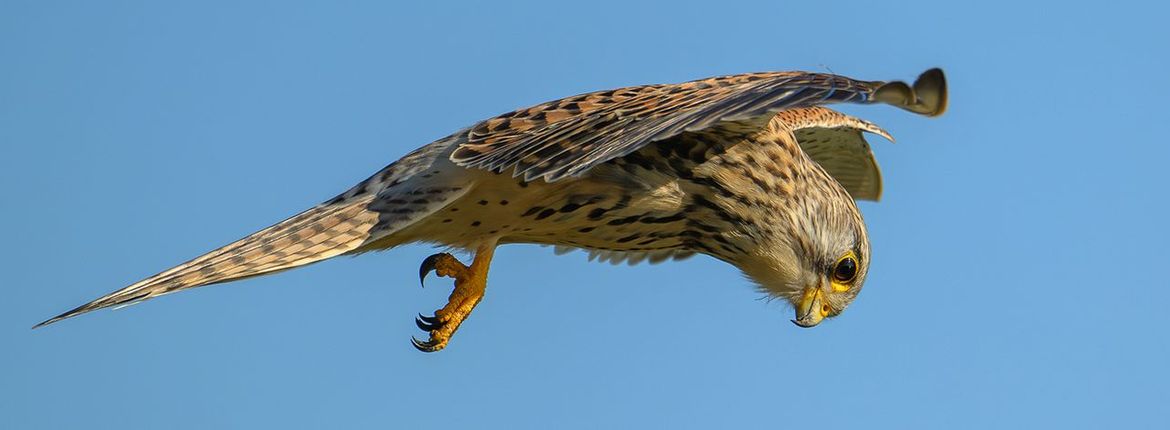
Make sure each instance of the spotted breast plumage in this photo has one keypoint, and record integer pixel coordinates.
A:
(750, 169)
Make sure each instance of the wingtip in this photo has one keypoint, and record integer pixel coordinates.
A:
(72, 313)
(49, 321)
(928, 95)
(875, 129)
(931, 91)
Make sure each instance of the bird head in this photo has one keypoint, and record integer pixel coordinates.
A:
(817, 260)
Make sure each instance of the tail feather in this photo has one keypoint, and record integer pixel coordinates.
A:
(325, 231)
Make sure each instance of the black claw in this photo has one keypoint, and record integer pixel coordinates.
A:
(427, 324)
(427, 266)
(428, 346)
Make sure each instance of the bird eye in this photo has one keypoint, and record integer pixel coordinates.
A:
(845, 270)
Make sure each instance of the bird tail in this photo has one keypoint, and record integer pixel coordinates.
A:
(325, 231)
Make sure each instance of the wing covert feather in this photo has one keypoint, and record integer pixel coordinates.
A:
(567, 137)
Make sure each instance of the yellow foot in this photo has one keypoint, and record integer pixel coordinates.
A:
(470, 283)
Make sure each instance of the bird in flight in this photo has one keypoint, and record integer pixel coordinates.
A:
(750, 169)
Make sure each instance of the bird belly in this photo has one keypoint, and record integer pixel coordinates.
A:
(588, 212)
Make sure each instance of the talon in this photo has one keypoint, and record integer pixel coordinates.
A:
(469, 286)
(427, 266)
(427, 324)
(428, 346)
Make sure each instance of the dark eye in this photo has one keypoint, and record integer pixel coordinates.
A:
(846, 270)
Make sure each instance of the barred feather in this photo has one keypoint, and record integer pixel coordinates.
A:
(354, 221)
(319, 233)
(568, 137)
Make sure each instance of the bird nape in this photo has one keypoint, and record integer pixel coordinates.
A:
(750, 169)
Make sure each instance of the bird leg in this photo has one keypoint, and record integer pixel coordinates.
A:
(470, 282)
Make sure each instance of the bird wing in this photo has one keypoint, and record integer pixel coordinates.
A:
(324, 231)
(384, 203)
(836, 141)
(567, 137)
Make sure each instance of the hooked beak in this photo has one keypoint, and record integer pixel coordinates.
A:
(811, 310)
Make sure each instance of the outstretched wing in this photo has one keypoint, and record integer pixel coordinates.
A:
(836, 142)
(377, 207)
(569, 136)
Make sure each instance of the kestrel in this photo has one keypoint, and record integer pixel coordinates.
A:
(750, 169)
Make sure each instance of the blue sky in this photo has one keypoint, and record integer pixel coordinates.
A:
(1019, 249)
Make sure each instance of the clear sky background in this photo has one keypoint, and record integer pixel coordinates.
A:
(1020, 250)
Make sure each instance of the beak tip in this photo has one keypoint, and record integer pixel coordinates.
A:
(809, 310)
(803, 324)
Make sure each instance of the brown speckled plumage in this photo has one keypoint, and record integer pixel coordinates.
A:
(749, 169)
